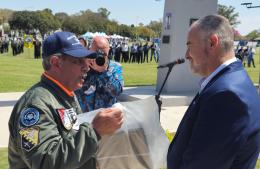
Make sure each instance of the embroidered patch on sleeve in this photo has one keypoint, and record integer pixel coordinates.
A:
(29, 138)
(68, 117)
(29, 117)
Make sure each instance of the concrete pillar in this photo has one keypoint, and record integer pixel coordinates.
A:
(1, 30)
(178, 15)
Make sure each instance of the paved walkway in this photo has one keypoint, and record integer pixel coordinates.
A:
(173, 108)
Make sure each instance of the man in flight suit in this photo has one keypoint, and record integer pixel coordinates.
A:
(42, 130)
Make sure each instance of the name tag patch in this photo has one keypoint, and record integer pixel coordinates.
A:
(29, 138)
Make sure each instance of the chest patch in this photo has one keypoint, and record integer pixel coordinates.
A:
(29, 117)
(68, 117)
(29, 138)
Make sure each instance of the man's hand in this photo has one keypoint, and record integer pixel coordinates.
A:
(92, 64)
(108, 121)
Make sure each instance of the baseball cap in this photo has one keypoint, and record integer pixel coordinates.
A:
(65, 43)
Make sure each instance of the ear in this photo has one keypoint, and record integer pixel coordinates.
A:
(213, 41)
(56, 62)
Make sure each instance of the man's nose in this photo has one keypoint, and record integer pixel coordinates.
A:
(85, 66)
(187, 56)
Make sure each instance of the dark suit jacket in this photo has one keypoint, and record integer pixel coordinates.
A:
(221, 128)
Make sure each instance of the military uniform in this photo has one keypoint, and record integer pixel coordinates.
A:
(41, 133)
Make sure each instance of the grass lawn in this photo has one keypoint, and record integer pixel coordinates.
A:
(3, 158)
(18, 73)
(254, 72)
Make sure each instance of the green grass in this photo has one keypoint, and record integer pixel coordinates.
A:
(18, 73)
(139, 74)
(3, 158)
(257, 164)
(254, 72)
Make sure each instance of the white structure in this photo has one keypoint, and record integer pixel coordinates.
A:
(178, 15)
(1, 30)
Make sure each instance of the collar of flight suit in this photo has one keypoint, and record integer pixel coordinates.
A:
(67, 91)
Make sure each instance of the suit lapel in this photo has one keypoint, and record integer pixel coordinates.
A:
(233, 66)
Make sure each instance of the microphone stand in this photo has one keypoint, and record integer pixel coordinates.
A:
(157, 97)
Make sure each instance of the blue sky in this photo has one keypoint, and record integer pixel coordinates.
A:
(131, 11)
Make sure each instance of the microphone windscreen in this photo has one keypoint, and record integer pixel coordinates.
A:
(181, 60)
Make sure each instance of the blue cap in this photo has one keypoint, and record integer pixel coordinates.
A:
(65, 43)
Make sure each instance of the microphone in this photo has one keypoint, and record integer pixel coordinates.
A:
(176, 62)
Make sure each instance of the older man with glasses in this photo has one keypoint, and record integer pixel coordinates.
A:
(104, 82)
(42, 132)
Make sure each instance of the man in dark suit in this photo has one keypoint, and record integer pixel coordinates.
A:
(221, 128)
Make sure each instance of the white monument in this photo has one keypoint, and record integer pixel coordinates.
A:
(1, 30)
(178, 15)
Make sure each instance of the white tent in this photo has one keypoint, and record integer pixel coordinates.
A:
(88, 35)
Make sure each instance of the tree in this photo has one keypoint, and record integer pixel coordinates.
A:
(46, 21)
(22, 20)
(61, 16)
(156, 26)
(252, 35)
(103, 12)
(229, 13)
(28, 20)
(73, 25)
(112, 27)
(5, 15)
(145, 32)
(125, 30)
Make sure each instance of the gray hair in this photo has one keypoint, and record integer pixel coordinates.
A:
(46, 61)
(219, 25)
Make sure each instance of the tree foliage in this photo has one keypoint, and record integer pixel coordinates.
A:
(103, 12)
(46, 21)
(156, 26)
(81, 22)
(229, 13)
(43, 20)
(252, 35)
(5, 15)
(62, 16)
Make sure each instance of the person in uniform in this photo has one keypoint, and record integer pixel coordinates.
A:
(37, 48)
(42, 124)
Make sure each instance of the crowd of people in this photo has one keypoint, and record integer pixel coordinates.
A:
(134, 53)
(4, 44)
(246, 55)
(121, 50)
(17, 45)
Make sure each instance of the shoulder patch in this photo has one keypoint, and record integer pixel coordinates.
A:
(29, 117)
(29, 138)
